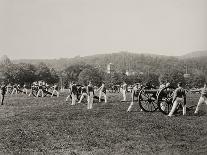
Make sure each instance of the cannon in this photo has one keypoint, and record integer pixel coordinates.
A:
(151, 99)
(147, 99)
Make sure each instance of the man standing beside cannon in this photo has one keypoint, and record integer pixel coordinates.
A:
(135, 93)
(178, 98)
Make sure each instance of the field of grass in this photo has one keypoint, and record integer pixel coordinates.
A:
(50, 125)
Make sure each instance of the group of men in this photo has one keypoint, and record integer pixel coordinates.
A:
(179, 96)
(86, 91)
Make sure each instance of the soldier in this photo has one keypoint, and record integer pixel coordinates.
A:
(102, 91)
(74, 93)
(178, 98)
(69, 95)
(8, 88)
(203, 98)
(55, 90)
(124, 90)
(32, 89)
(83, 93)
(40, 89)
(14, 91)
(90, 92)
(135, 93)
(24, 89)
(2, 92)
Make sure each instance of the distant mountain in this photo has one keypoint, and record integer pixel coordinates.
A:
(196, 54)
(122, 61)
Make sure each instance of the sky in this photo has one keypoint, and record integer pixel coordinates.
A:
(45, 29)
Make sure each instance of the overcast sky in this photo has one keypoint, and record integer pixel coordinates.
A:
(67, 28)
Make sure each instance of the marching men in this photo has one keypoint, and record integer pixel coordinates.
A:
(178, 98)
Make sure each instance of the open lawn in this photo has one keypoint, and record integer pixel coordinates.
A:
(50, 125)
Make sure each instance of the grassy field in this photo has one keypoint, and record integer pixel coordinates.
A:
(50, 125)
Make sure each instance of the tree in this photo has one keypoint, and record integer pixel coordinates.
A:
(72, 72)
(90, 74)
(173, 76)
(43, 72)
(54, 78)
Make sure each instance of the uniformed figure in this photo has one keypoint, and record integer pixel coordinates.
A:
(179, 97)
(83, 93)
(69, 95)
(32, 89)
(135, 93)
(90, 92)
(203, 98)
(14, 91)
(55, 90)
(2, 92)
(74, 93)
(124, 91)
(8, 88)
(24, 89)
(40, 90)
(102, 91)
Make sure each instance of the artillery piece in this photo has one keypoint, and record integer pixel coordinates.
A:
(152, 99)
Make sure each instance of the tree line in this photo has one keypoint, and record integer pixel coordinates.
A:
(156, 69)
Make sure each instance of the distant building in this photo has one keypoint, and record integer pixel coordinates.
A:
(110, 68)
(130, 72)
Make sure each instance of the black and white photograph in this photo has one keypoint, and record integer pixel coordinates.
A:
(103, 77)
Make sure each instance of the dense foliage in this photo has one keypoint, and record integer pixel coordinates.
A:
(144, 67)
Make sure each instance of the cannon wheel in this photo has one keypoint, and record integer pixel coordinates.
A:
(164, 99)
(147, 102)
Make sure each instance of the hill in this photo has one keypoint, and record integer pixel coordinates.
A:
(121, 61)
(195, 54)
(131, 61)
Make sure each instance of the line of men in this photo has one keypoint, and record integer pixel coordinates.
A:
(179, 96)
(87, 91)
(40, 87)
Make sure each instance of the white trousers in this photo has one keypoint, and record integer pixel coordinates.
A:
(102, 94)
(124, 94)
(74, 98)
(90, 100)
(82, 96)
(57, 93)
(40, 91)
(175, 104)
(14, 91)
(202, 100)
(24, 91)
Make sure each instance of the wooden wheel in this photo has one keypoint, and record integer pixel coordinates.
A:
(147, 100)
(164, 100)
